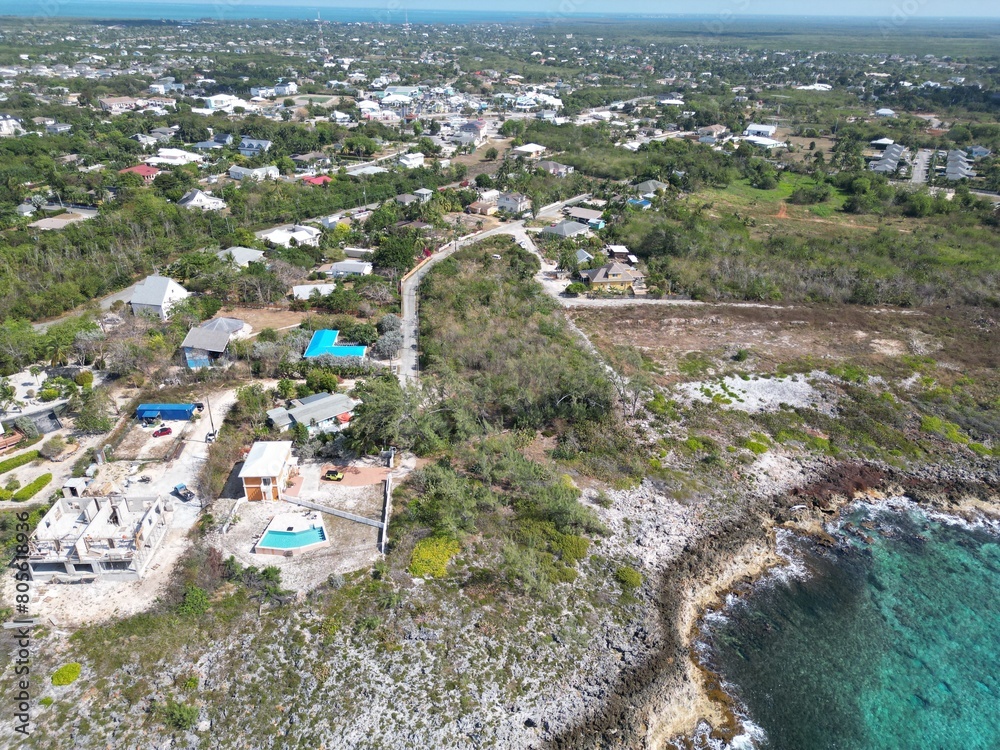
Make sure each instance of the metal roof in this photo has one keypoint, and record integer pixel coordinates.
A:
(266, 459)
(153, 291)
(209, 340)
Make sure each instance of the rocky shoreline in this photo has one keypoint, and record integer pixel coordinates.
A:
(670, 700)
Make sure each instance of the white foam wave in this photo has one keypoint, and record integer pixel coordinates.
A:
(899, 504)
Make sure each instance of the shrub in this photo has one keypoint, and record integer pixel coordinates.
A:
(628, 577)
(388, 323)
(17, 461)
(948, 430)
(48, 394)
(27, 427)
(67, 674)
(431, 556)
(52, 447)
(572, 548)
(195, 602)
(84, 379)
(46, 701)
(13, 485)
(33, 488)
(576, 289)
(180, 715)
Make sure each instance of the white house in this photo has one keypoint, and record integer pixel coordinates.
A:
(204, 201)
(9, 126)
(348, 268)
(514, 203)
(253, 146)
(289, 88)
(761, 131)
(885, 112)
(241, 256)
(529, 151)
(266, 470)
(306, 291)
(173, 157)
(411, 161)
(258, 173)
(157, 295)
(302, 235)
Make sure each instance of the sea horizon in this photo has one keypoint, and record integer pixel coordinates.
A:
(392, 13)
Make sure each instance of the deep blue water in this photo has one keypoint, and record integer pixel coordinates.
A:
(889, 642)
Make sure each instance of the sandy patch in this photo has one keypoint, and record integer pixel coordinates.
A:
(760, 394)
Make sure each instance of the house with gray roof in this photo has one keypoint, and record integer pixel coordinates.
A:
(567, 229)
(254, 146)
(650, 186)
(322, 412)
(241, 256)
(205, 345)
(157, 295)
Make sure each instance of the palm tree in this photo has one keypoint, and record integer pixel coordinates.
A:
(35, 371)
(56, 353)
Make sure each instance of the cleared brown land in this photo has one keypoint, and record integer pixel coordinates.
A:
(964, 338)
(261, 319)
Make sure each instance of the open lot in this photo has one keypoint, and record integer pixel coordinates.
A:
(689, 342)
(261, 319)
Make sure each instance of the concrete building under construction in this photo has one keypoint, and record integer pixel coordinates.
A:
(84, 539)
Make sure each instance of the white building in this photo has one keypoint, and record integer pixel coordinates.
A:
(761, 131)
(201, 200)
(411, 161)
(302, 235)
(157, 295)
(173, 157)
(347, 268)
(307, 291)
(258, 173)
(529, 150)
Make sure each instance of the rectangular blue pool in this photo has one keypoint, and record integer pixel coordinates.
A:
(292, 539)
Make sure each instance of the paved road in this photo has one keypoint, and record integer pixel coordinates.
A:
(105, 303)
(918, 173)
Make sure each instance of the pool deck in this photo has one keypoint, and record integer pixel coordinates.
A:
(353, 546)
(293, 523)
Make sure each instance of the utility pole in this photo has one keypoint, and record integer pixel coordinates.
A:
(208, 408)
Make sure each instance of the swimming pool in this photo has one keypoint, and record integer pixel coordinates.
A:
(293, 539)
(325, 342)
(321, 341)
(290, 543)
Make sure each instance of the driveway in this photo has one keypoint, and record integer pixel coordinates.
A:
(918, 173)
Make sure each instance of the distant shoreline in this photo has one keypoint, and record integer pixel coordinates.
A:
(228, 10)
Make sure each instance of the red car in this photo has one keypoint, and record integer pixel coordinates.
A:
(163, 431)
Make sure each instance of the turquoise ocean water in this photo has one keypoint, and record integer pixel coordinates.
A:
(890, 640)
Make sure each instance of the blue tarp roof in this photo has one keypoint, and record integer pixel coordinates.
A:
(147, 411)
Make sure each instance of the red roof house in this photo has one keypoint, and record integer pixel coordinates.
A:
(145, 171)
(318, 180)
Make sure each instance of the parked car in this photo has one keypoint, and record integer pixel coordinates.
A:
(163, 431)
(333, 475)
(183, 492)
